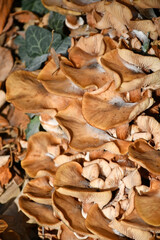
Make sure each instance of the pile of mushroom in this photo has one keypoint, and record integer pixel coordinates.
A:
(96, 170)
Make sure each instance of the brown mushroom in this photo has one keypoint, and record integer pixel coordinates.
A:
(56, 82)
(40, 190)
(67, 172)
(107, 109)
(83, 136)
(148, 204)
(37, 161)
(27, 94)
(145, 155)
(43, 214)
(97, 223)
(146, 63)
(115, 67)
(69, 211)
(101, 197)
(149, 124)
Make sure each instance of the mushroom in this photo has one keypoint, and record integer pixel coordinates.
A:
(92, 76)
(39, 190)
(101, 197)
(130, 231)
(149, 124)
(91, 171)
(147, 205)
(150, 81)
(37, 161)
(56, 82)
(108, 109)
(145, 155)
(42, 214)
(29, 94)
(83, 136)
(97, 223)
(115, 67)
(133, 179)
(143, 62)
(67, 172)
(69, 211)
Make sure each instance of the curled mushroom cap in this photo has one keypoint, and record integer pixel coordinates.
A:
(43, 214)
(92, 76)
(107, 109)
(37, 158)
(148, 205)
(130, 231)
(55, 81)
(27, 94)
(97, 223)
(143, 62)
(39, 190)
(88, 195)
(114, 65)
(67, 172)
(150, 81)
(145, 155)
(83, 136)
(69, 211)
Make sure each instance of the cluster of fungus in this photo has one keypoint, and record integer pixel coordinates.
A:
(95, 171)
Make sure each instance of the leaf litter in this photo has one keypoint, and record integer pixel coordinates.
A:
(79, 120)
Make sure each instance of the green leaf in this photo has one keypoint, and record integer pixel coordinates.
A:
(37, 41)
(63, 47)
(56, 22)
(33, 127)
(35, 63)
(34, 6)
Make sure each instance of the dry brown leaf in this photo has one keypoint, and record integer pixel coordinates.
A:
(6, 63)
(5, 7)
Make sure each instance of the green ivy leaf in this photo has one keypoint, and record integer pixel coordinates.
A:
(56, 22)
(33, 127)
(37, 41)
(34, 6)
(63, 47)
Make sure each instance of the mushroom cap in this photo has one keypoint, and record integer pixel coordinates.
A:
(150, 81)
(55, 81)
(69, 211)
(27, 94)
(130, 231)
(146, 62)
(36, 158)
(145, 155)
(83, 136)
(43, 214)
(102, 197)
(148, 205)
(107, 109)
(39, 190)
(97, 223)
(66, 173)
(113, 64)
(92, 76)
